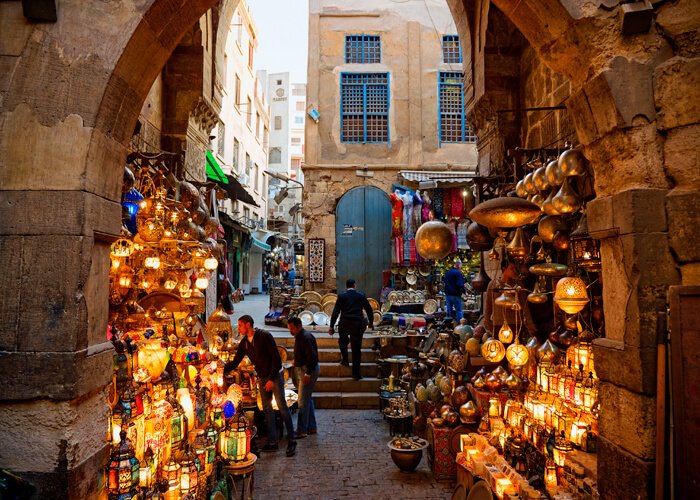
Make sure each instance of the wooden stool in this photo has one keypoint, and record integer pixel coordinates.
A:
(241, 477)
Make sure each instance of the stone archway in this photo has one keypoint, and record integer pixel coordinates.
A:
(70, 95)
(635, 137)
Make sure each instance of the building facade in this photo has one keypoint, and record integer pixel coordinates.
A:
(385, 79)
(241, 144)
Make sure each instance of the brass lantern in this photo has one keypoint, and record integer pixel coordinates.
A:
(433, 240)
(188, 472)
(517, 354)
(585, 251)
(493, 350)
(123, 470)
(235, 439)
(219, 323)
(171, 472)
(505, 334)
(571, 294)
(562, 447)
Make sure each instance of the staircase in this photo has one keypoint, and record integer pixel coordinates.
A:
(335, 387)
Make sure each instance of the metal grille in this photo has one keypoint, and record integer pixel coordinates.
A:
(362, 49)
(364, 107)
(451, 49)
(452, 124)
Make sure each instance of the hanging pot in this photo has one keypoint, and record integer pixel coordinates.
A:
(548, 352)
(572, 162)
(520, 189)
(529, 183)
(539, 179)
(553, 173)
(549, 225)
(479, 238)
(519, 248)
(548, 205)
(189, 196)
(538, 199)
(561, 241)
(566, 201)
(480, 282)
(538, 295)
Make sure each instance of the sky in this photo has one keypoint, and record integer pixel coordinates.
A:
(283, 27)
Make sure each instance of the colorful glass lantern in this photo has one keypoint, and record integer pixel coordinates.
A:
(235, 440)
(131, 201)
(188, 472)
(123, 247)
(178, 422)
(211, 264)
(123, 470)
(562, 447)
(202, 282)
(493, 350)
(153, 355)
(571, 294)
(185, 399)
(185, 356)
(152, 262)
(585, 251)
(590, 392)
(171, 472)
(146, 470)
(517, 354)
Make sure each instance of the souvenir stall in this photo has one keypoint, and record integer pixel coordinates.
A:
(177, 430)
(514, 411)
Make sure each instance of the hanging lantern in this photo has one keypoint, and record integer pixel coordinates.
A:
(170, 281)
(121, 248)
(171, 472)
(211, 264)
(152, 262)
(562, 447)
(518, 249)
(550, 475)
(554, 174)
(539, 179)
(146, 470)
(566, 201)
(571, 162)
(571, 294)
(125, 276)
(517, 354)
(548, 353)
(235, 439)
(505, 212)
(188, 472)
(202, 282)
(529, 183)
(520, 189)
(508, 299)
(433, 240)
(153, 355)
(585, 251)
(548, 205)
(219, 323)
(493, 350)
(178, 426)
(123, 469)
(505, 334)
(538, 295)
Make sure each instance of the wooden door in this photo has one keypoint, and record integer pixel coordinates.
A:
(363, 238)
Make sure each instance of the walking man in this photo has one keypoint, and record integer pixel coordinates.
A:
(349, 306)
(454, 288)
(260, 347)
(306, 361)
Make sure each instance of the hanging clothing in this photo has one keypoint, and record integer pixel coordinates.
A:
(412, 252)
(416, 220)
(462, 234)
(407, 199)
(438, 207)
(447, 203)
(457, 203)
(425, 211)
(396, 215)
(453, 229)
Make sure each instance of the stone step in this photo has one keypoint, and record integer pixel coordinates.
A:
(323, 340)
(332, 355)
(333, 369)
(346, 400)
(346, 384)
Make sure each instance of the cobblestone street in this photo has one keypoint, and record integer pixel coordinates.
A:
(348, 458)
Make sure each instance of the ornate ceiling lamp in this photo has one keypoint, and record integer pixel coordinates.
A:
(505, 212)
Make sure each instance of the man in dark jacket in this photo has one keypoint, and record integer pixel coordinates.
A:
(306, 362)
(349, 306)
(260, 347)
(454, 288)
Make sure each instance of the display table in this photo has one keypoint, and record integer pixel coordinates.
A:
(442, 462)
(241, 478)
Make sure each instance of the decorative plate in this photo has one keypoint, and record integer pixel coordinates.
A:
(430, 306)
(373, 303)
(329, 297)
(411, 279)
(328, 308)
(393, 297)
(283, 353)
(306, 317)
(424, 271)
(321, 318)
(311, 296)
(376, 318)
(386, 306)
(403, 271)
(313, 306)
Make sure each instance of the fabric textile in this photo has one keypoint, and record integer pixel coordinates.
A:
(457, 203)
(416, 217)
(407, 199)
(462, 243)
(425, 210)
(396, 215)
(438, 207)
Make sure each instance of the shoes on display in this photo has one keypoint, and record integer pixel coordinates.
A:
(271, 447)
(291, 448)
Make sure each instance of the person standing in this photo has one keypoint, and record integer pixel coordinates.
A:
(454, 288)
(261, 349)
(351, 327)
(306, 360)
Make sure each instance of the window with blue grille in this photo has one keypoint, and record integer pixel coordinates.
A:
(452, 123)
(451, 49)
(364, 107)
(363, 49)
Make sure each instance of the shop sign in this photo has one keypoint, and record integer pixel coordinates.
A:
(349, 229)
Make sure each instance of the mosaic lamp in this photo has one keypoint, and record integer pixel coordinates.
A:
(123, 469)
(235, 439)
(571, 294)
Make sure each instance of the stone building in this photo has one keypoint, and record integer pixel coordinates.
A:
(400, 54)
(72, 87)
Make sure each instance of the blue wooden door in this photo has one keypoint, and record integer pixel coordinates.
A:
(363, 238)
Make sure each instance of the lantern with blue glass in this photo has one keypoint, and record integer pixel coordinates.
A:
(123, 470)
(235, 439)
(131, 202)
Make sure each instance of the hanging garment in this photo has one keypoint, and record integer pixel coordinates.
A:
(457, 203)
(453, 229)
(396, 215)
(425, 210)
(398, 245)
(413, 253)
(447, 203)
(438, 208)
(462, 234)
(407, 251)
(407, 199)
(416, 219)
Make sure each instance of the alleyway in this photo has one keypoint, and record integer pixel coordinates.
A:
(348, 458)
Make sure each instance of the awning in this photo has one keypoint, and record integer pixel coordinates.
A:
(214, 171)
(227, 220)
(446, 176)
(236, 191)
(257, 244)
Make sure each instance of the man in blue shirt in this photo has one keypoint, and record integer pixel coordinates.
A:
(454, 288)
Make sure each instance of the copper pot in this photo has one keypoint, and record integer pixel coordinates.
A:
(480, 282)
(479, 238)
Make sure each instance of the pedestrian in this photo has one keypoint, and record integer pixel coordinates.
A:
(260, 347)
(291, 276)
(351, 327)
(306, 360)
(454, 288)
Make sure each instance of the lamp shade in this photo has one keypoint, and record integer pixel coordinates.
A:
(493, 350)
(153, 355)
(433, 240)
(571, 294)
(505, 212)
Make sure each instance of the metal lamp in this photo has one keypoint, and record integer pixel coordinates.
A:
(571, 294)
(123, 470)
(235, 440)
